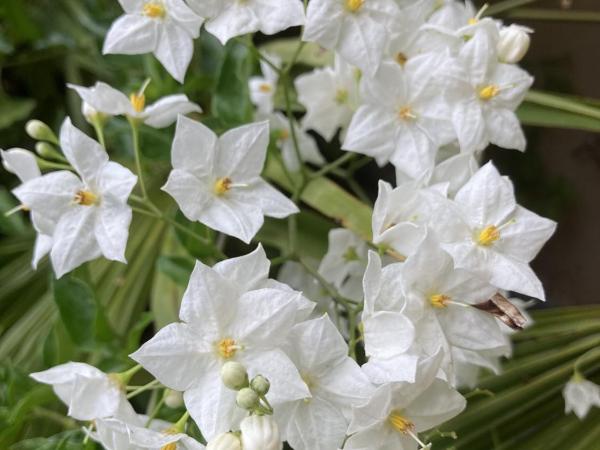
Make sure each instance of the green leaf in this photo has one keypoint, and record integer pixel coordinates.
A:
(194, 247)
(77, 307)
(311, 54)
(177, 268)
(13, 110)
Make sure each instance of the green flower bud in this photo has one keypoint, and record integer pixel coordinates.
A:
(47, 151)
(247, 399)
(260, 385)
(40, 131)
(173, 399)
(234, 375)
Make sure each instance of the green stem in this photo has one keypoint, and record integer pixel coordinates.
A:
(156, 409)
(555, 15)
(506, 5)
(333, 165)
(45, 164)
(98, 125)
(135, 137)
(562, 103)
(331, 290)
(152, 385)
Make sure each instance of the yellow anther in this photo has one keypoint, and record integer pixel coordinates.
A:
(341, 96)
(171, 446)
(400, 423)
(488, 92)
(354, 5)
(227, 348)
(138, 101)
(488, 235)
(401, 58)
(222, 185)
(265, 88)
(439, 300)
(406, 113)
(473, 21)
(155, 10)
(284, 134)
(86, 198)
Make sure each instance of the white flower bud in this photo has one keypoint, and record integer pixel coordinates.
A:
(40, 131)
(260, 433)
(174, 399)
(92, 115)
(225, 441)
(234, 375)
(513, 44)
(260, 385)
(247, 399)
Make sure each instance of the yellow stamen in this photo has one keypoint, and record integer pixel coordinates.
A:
(488, 235)
(354, 5)
(406, 113)
(138, 101)
(341, 96)
(171, 446)
(227, 348)
(265, 88)
(472, 21)
(488, 92)
(155, 10)
(222, 185)
(401, 58)
(284, 135)
(86, 198)
(439, 300)
(400, 423)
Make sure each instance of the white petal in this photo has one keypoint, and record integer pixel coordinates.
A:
(86, 155)
(20, 162)
(276, 15)
(247, 271)
(470, 126)
(504, 129)
(242, 152)
(105, 99)
(388, 334)
(234, 20)
(194, 147)
(524, 238)
(131, 35)
(272, 202)
(436, 405)
(165, 111)
(174, 50)
(94, 398)
(233, 217)
(112, 229)
(191, 194)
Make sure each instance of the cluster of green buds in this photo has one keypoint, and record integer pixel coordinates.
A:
(251, 394)
(47, 144)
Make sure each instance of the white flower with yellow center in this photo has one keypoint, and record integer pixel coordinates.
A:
(216, 180)
(580, 396)
(404, 118)
(493, 236)
(397, 412)
(336, 384)
(263, 87)
(229, 18)
(91, 212)
(109, 101)
(223, 322)
(330, 96)
(24, 165)
(166, 28)
(308, 149)
(356, 29)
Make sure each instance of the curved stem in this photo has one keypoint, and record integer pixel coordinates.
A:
(135, 137)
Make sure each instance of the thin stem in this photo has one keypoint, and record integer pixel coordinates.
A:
(135, 136)
(331, 290)
(506, 5)
(99, 129)
(333, 165)
(152, 385)
(156, 409)
(45, 164)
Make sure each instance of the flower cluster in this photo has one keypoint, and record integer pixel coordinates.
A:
(366, 348)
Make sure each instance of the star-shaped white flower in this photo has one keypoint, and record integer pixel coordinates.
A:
(229, 18)
(91, 212)
(23, 164)
(222, 322)
(166, 28)
(107, 100)
(309, 152)
(336, 384)
(404, 118)
(330, 95)
(580, 396)
(88, 392)
(356, 29)
(346, 257)
(263, 87)
(216, 180)
(494, 236)
(397, 412)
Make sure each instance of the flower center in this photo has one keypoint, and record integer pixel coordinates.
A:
(489, 92)
(341, 96)
(171, 446)
(354, 5)
(350, 254)
(488, 235)
(86, 198)
(138, 101)
(284, 135)
(155, 10)
(439, 300)
(401, 58)
(227, 348)
(265, 88)
(222, 185)
(406, 113)
(400, 423)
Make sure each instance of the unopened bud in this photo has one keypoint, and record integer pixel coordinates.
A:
(225, 441)
(247, 399)
(92, 115)
(174, 399)
(260, 385)
(260, 433)
(234, 375)
(40, 131)
(47, 151)
(513, 44)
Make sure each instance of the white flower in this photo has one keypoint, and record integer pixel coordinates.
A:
(225, 441)
(346, 257)
(260, 433)
(229, 18)
(107, 100)
(88, 392)
(163, 27)
(23, 164)
(263, 88)
(514, 43)
(91, 213)
(217, 181)
(309, 152)
(404, 118)
(330, 95)
(356, 29)
(397, 412)
(485, 94)
(222, 322)
(580, 396)
(495, 237)
(336, 384)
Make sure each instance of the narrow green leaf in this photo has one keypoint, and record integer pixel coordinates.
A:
(77, 307)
